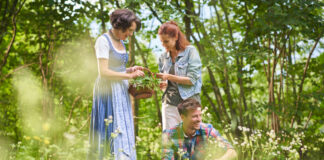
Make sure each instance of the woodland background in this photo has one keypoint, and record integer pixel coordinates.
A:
(263, 74)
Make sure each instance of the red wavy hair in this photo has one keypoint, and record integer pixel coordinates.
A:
(172, 29)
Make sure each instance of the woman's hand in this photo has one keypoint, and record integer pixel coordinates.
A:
(163, 85)
(174, 78)
(135, 68)
(137, 73)
(163, 76)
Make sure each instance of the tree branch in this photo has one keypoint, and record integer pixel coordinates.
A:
(15, 70)
(6, 54)
(154, 12)
(76, 99)
(211, 103)
(303, 79)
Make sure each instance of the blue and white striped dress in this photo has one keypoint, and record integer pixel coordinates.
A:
(111, 102)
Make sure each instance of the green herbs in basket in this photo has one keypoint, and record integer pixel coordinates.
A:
(148, 81)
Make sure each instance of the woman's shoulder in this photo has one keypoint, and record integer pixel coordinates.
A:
(190, 48)
(102, 38)
(102, 41)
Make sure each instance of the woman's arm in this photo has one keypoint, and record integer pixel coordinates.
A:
(193, 70)
(133, 69)
(174, 78)
(194, 66)
(105, 72)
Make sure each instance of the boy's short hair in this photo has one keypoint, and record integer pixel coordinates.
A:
(188, 104)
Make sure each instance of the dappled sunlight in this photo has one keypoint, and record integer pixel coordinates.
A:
(6, 146)
(45, 136)
(77, 66)
(29, 95)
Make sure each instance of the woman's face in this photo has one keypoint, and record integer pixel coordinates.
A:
(169, 43)
(128, 32)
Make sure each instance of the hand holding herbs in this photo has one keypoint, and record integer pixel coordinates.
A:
(137, 73)
(148, 81)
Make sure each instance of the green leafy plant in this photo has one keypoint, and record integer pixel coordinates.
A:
(149, 81)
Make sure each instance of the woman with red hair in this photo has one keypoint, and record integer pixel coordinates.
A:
(180, 70)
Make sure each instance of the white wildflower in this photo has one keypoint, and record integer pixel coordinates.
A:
(239, 127)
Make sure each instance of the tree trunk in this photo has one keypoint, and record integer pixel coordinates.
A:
(156, 99)
(102, 18)
(14, 18)
(6, 16)
(239, 63)
(134, 102)
(303, 79)
(218, 95)
(205, 93)
(187, 19)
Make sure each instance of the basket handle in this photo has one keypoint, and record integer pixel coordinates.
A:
(148, 70)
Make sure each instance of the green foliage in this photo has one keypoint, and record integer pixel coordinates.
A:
(148, 144)
(147, 81)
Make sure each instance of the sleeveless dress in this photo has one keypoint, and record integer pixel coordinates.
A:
(112, 127)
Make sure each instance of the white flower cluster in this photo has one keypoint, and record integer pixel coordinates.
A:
(108, 121)
(256, 135)
(181, 152)
(207, 117)
(244, 129)
(271, 143)
(227, 128)
(271, 134)
(204, 110)
(115, 133)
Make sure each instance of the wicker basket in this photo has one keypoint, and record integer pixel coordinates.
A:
(141, 93)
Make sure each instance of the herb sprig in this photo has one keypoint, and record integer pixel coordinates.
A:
(148, 81)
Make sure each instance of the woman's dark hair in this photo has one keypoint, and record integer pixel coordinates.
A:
(172, 29)
(123, 19)
(188, 104)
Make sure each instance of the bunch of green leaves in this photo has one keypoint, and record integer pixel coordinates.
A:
(148, 81)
